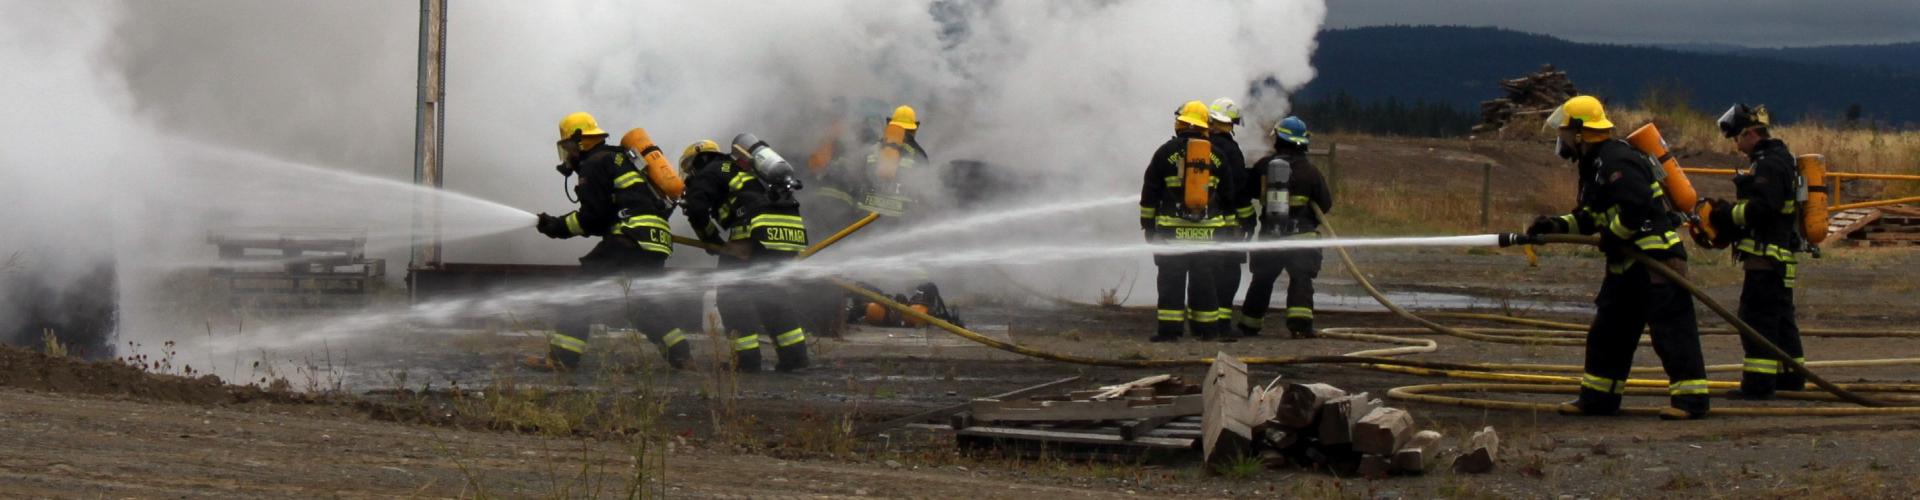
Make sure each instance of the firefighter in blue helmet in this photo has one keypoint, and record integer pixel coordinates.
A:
(619, 205)
(1289, 187)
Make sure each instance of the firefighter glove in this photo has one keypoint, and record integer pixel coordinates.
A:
(553, 227)
(1546, 225)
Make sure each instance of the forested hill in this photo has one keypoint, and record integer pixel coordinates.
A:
(1459, 66)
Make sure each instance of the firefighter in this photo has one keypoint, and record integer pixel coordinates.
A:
(745, 202)
(619, 205)
(1620, 199)
(1767, 220)
(896, 167)
(1184, 201)
(1289, 217)
(1222, 115)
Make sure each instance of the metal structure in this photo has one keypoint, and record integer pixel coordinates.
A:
(291, 269)
(428, 136)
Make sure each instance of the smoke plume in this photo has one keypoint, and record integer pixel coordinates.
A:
(132, 128)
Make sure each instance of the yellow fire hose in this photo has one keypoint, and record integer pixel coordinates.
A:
(1530, 382)
(836, 237)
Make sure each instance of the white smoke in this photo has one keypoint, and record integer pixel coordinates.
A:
(99, 95)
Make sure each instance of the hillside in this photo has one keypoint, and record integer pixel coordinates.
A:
(1459, 66)
(1898, 58)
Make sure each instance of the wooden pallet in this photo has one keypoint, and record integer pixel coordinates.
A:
(1128, 421)
(289, 269)
(1897, 225)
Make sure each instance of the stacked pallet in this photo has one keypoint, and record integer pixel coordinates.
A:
(1532, 94)
(1160, 412)
(1896, 225)
(279, 268)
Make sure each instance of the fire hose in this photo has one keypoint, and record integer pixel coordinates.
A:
(1515, 382)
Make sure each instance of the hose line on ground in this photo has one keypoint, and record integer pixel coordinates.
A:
(1376, 359)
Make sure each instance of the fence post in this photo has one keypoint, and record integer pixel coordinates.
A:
(1486, 197)
(1333, 167)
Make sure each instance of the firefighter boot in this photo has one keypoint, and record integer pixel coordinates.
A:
(1302, 328)
(1791, 379)
(746, 353)
(675, 348)
(1685, 408)
(792, 358)
(678, 355)
(1592, 403)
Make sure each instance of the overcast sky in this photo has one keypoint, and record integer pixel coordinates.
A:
(1759, 23)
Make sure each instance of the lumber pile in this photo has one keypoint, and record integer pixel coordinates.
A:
(1894, 225)
(1324, 427)
(1532, 95)
(1225, 418)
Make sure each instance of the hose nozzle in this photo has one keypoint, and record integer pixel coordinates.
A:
(1511, 239)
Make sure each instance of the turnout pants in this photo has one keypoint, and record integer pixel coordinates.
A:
(1226, 283)
(1187, 293)
(611, 260)
(1766, 303)
(756, 305)
(1301, 267)
(1628, 302)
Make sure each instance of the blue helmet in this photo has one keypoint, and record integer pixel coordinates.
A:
(1292, 130)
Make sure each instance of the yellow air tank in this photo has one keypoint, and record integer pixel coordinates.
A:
(891, 147)
(1813, 209)
(658, 169)
(1679, 190)
(1198, 175)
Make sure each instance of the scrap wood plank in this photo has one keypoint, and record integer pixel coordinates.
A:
(1226, 429)
(1382, 431)
(956, 408)
(1075, 437)
(1140, 427)
(1114, 391)
(1112, 409)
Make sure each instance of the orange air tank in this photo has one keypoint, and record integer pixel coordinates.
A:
(1813, 210)
(657, 169)
(891, 142)
(1679, 190)
(1198, 176)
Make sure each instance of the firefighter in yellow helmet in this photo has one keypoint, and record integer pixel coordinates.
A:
(897, 167)
(1186, 203)
(745, 201)
(1620, 199)
(621, 205)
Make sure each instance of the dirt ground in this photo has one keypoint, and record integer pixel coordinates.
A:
(442, 413)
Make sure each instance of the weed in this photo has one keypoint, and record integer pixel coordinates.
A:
(50, 344)
(1681, 481)
(1240, 468)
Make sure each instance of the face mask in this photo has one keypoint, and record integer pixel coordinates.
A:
(566, 148)
(1561, 148)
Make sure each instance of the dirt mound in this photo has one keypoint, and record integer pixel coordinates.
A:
(25, 369)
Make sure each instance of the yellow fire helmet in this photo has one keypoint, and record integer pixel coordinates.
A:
(905, 118)
(1583, 111)
(579, 122)
(693, 150)
(1193, 113)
